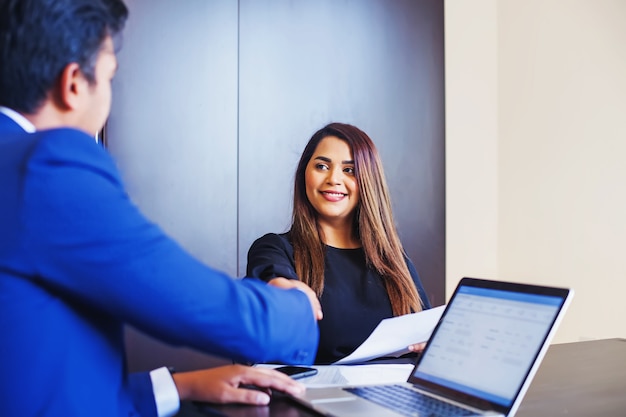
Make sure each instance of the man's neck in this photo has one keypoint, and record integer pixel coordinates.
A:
(49, 115)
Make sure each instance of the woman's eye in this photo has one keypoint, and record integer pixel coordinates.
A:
(322, 167)
(349, 170)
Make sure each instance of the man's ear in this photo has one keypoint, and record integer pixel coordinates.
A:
(72, 85)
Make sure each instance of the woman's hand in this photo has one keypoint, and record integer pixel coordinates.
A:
(287, 284)
(417, 347)
(223, 385)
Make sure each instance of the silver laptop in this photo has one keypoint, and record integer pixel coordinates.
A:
(479, 360)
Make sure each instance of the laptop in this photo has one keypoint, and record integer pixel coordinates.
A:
(479, 360)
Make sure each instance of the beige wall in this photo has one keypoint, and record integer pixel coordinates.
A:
(536, 151)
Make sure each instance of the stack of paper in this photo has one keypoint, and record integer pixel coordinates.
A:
(390, 338)
(393, 336)
(342, 375)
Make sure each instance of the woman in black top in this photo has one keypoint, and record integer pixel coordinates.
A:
(342, 243)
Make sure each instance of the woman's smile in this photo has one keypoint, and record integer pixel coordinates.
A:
(330, 181)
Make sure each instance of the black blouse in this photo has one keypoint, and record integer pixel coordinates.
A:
(354, 299)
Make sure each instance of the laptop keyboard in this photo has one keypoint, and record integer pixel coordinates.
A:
(408, 402)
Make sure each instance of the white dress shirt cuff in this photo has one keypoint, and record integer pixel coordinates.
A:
(165, 392)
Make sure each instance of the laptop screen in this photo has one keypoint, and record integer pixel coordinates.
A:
(487, 342)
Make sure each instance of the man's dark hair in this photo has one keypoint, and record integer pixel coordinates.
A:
(39, 38)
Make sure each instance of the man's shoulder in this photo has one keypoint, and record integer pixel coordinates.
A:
(60, 157)
(65, 136)
(69, 146)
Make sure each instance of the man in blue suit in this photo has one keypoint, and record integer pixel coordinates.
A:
(78, 260)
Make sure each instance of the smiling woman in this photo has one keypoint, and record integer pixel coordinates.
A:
(332, 190)
(210, 154)
(342, 243)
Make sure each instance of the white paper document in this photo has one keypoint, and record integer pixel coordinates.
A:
(342, 375)
(393, 336)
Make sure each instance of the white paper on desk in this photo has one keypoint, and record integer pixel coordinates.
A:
(342, 375)
(392, 336)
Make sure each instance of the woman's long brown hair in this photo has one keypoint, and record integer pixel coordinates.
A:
(373, 222)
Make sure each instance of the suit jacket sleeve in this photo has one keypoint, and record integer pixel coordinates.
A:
(271, 256)
(90, 243)
(140, 386)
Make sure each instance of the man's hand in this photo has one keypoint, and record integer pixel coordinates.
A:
(222, 385)
(293, 283)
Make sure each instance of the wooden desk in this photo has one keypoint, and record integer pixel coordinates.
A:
(579, 379)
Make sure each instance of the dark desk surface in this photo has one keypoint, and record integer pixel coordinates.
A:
(579, 379)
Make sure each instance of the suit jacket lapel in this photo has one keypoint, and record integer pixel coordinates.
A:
(8, 125)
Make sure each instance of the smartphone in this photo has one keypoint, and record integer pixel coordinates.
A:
(297, 372)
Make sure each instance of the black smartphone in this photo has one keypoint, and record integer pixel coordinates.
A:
(297, 372)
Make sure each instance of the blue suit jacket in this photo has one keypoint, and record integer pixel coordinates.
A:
(78, 260)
